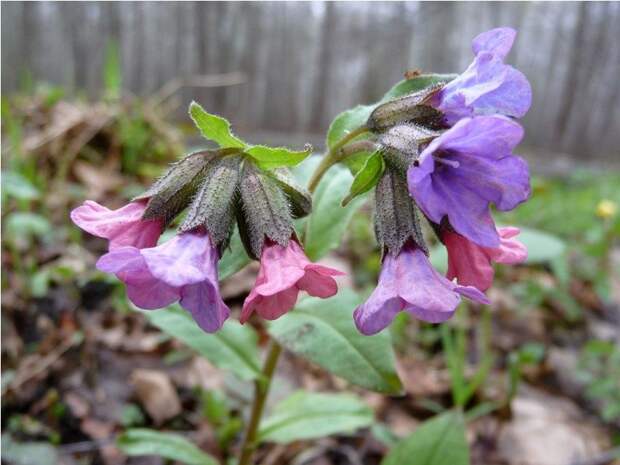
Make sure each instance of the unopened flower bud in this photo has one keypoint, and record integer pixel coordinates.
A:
(411, 108)
(265, 211)
(396, 217)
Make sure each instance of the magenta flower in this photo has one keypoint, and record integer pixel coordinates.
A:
(184, 268)
(466, 168)
(488, 86)
(471, 264)
(122, 227)
(284, 271)
(408, 282)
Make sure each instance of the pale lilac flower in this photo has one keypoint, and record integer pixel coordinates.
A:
(488, 86)
(122, 227)
(409, 283)
(468, 167)
(471, 264)
(184, 268)
(284, 271)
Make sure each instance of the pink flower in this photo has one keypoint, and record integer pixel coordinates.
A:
(284, 271)
(122, 227)
(471, 264)
(184, 268)
(409, 283)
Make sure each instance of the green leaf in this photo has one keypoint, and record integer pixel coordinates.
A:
(355, 117)
(214, 127)
(308, 415)
(17, 186)
(329, 220)
(439, 441)
(366, 178)
(275, 157)
(142, 441)
(232, 348)
(323, 332)
(542, 247)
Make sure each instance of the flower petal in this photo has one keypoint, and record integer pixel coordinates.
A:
(468, 262)
(510, 251)
(497, 41)
(184, 259)
(122, 227)
(317, 284)
(427, 295)
(204, 302)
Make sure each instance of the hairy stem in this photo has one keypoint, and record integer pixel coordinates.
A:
(332, 157)
(261, 389)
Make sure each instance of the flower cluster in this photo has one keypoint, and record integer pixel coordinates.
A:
(217, 188)
(454, 145)
(446, 154)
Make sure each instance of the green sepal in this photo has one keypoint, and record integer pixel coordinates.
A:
(213, 205)
(353, 118)
(411, 108)
(171, 193)
(299, 198)
(396, 216)
(264, 211)
(401, 144)
(366, 178)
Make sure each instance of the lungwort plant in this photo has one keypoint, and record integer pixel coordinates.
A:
(436, 148)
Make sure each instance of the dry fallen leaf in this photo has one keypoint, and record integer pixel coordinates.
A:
(157, 394)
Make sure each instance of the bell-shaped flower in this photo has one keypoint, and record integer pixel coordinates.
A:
(488, 86)
(284, 271)
(182, 269)
(408, 282)
(471, 264)
(122, 227)
(471, 165)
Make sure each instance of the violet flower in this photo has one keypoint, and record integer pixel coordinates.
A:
(184, 268)
(461, 172)
(409, 282)
(284, 271)
(471, 264)
(488, 86)
(122, 227)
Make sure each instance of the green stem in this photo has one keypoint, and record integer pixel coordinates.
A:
(332, 157)
(261, 389)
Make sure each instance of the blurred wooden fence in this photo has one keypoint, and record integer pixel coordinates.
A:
(306, 61)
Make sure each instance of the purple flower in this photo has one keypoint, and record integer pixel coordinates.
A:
(121, 227)
(488, 86)
(408, 282)
(184, 268)
(469, 166)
